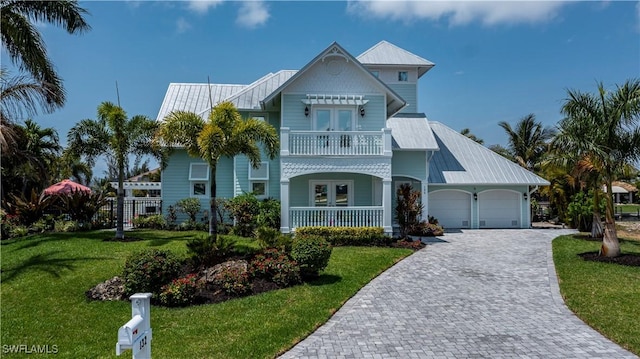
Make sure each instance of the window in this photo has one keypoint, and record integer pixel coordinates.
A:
(260, 173)
(199, 172)
(375, 73)
(199, 189)
(259, 189)
(403, 76)
(259, 116)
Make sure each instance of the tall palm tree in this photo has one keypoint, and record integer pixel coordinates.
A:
(467, 132)
(224, 134)
(29, 162)
(23, 41)
(113, 134)
(528, 141)
(603, 128)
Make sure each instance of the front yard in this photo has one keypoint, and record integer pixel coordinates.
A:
(44, 279)
(604, 295)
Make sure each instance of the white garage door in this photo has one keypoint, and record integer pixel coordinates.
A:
(499, 209)
(451, 208)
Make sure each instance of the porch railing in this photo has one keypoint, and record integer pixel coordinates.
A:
(334, 143)
(337, 216)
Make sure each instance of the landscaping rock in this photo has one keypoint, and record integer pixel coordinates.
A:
(111, 289)
(208, 275)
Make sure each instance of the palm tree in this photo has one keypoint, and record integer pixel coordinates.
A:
(603, 129)
(467, 132)
(113, 134)
(528, 142)
(19, 97)
(224, 134)
(25, 46)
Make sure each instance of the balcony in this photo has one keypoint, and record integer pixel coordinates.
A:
(337, 216)
(335, 143)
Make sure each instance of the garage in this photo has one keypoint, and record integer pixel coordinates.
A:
(451, 208)
(499, 209)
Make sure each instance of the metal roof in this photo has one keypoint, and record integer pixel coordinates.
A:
(250, 96)
(386, 53)
(194, 97)
(464, 161)
(411, 132)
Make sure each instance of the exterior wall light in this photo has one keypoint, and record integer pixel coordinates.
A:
(475, 196)
(306, 111)
(525, 196)
(362, 113)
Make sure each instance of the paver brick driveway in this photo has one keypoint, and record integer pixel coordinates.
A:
(474, 294)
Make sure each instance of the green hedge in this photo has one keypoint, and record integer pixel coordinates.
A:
(348, 236)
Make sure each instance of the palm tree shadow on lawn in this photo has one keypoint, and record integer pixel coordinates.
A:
(325, 279)
(44, 262)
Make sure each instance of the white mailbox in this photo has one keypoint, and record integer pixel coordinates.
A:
(136, 333)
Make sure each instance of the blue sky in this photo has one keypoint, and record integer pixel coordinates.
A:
(495, 61)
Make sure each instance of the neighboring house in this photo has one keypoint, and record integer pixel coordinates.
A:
(350, 135)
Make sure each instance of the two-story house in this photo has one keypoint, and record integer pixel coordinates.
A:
(350, 135)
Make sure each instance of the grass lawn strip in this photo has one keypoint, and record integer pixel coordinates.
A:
(605, 296)
(43, 303)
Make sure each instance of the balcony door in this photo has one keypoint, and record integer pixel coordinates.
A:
(333, 119)
(331, 193)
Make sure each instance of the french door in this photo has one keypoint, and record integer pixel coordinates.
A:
(333, 119)
(331, 193)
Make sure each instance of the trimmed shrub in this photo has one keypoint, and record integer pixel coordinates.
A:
(148, 270)
(210, 250)
(154, 221)
(268, 237)
(189, 206)
(180, 292)
(269, 213)
(312, 254)
(274, 265)
(426, 229)
(233, 280)
(348, 236)
(66, 226)
(244, 209)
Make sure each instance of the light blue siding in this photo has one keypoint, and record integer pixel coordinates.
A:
(176, 184)
(408, 92)
(409, 164)
(294, 118)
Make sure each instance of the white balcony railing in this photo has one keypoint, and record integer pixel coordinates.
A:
(335, 143)
(337, 216)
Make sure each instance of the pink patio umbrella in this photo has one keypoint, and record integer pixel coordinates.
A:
(65, 187)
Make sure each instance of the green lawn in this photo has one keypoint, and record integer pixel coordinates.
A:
(627, 208)
(605, 296)
(44, 279)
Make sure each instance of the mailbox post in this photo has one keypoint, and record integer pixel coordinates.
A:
(136, 333)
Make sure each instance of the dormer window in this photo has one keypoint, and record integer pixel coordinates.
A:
(403, 76)
(376, 73)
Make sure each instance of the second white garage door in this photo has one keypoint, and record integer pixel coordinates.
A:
(499, 209)
(451, 208)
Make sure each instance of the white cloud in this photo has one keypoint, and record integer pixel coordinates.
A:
(182, 25)
(459, 73)
(252, 14)
(202, 6)
(460, 12)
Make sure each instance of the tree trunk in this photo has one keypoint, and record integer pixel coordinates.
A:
(610, 244)
(596, 224)
(120, 203)
(213, 215)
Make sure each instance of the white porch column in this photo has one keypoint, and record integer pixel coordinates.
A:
(387, 150)
(425, 200)
(284, 141)
(386, 203)
(284, 206)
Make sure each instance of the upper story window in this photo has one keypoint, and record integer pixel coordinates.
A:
(259, 116)
(376, 73)
(403, 76)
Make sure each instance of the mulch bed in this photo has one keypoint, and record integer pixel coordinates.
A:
(627, 259)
